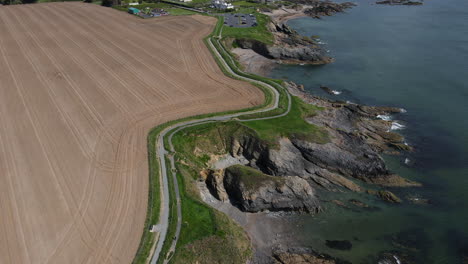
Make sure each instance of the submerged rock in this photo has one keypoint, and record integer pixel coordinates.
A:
(388, 196)
(358, 203)
(398, 2)
(418, 200)
(326, 89)
(303, 255)
(339, 244)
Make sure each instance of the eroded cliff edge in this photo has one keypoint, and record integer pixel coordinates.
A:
(287, 175)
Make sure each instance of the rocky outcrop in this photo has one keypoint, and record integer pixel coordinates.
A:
(289, 47)
(324, 8)
(357, 138)
(215, 184)
(287, 173)
(359, 123)
(389, 197)
(329, 165)
(398, 2)
(253, 191)
(303, 255)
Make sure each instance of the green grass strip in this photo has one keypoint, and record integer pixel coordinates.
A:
(154, 197)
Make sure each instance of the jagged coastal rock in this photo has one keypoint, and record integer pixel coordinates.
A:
(253, 191)
(324, 8)
(296, 255)
(388, 196)
(284, 176)
(289, 47)
(398, 2)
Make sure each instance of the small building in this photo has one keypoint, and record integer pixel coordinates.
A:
(221, 4)
(133, 4)
(185, 1)
(133, 10)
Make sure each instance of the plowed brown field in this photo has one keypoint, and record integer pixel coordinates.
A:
(80, 87)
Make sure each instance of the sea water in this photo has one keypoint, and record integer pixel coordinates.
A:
(416, 58)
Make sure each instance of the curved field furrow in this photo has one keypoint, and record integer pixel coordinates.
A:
(152, 60)
(98, 50)
(73, 129)
(147, 41)
(80, 87)
(155, 56)
(87, 63)
(121, 57)
(63, 182)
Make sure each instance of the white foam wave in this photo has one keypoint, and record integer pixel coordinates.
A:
(335, 92)
(397, 126)
(384, 117)
(402, 110)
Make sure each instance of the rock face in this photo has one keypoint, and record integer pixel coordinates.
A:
(298, 255)
(357, 139)
(398, 2)
(324, 8)
(216, 185)
(327, 165)
(284, 176)
(253, 191)
(289, 47)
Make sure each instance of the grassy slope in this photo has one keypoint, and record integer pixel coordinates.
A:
(203, 236)
(291, 125)
(259, 32)
(207, 236)
(252, 178)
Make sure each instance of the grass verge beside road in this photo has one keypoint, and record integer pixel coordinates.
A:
(192, 202)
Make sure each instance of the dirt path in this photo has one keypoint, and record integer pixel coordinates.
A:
(80, 87)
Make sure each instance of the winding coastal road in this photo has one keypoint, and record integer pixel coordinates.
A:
(162, 153)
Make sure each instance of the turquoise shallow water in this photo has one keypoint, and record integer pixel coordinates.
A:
(414, 57)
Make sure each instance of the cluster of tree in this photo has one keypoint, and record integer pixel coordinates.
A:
(17, 2)
(107, 3)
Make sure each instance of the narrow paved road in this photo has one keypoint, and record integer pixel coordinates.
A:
(163, 225)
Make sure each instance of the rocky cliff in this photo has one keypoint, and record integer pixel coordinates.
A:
(289, 47)
(398, 2)
(318, 9)
(288, 173)
(296, 255)
(253, 191)
(357, 137)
